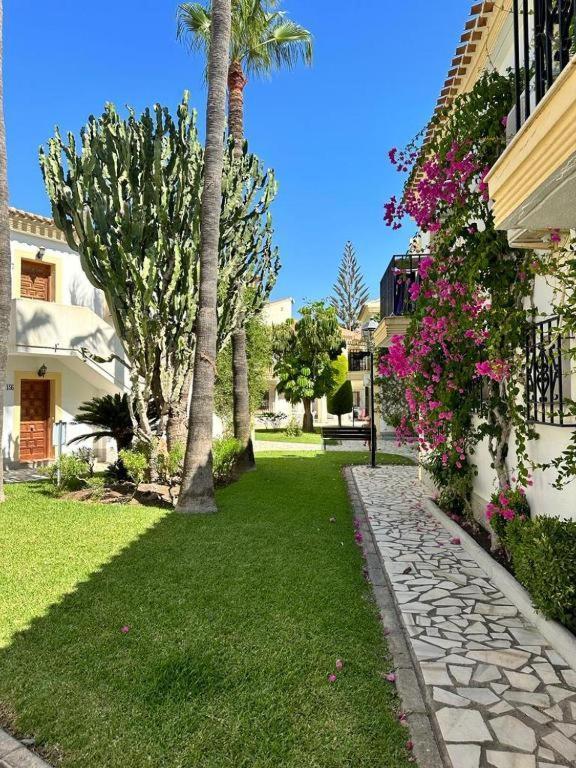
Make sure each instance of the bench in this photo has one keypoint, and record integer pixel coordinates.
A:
(345, 433)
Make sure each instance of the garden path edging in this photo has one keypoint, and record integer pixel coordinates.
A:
(429, 747)
(561, 639)
(14, 754)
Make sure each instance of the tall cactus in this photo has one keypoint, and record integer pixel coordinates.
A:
(129, 203)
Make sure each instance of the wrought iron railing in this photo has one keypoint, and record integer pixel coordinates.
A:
(395, 285)
(359, 361)
(549, 375)
(544, 41)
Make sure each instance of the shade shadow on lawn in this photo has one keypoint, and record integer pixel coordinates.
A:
(235, 622)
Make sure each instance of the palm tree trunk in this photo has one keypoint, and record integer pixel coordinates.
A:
(197, 491)
(308, 420)
(241, 392)
(5, 269)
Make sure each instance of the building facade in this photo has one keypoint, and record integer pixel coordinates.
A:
(533, 191)
(63, 349)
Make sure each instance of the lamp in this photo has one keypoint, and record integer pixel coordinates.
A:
(368, 330)
(42, 371)
(40, 253)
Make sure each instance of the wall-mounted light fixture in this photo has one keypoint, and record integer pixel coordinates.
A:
(40, 253)
(42, 371)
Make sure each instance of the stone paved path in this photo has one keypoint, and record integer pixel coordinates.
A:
(501, 696)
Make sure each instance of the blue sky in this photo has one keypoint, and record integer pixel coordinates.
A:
(379, 66)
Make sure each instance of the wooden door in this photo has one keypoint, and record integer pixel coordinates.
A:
(36, 280)
(35, 440)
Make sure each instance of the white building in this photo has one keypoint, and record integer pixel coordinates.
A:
(58, 320)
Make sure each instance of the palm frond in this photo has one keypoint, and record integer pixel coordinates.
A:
(287, 43)
(193, 25)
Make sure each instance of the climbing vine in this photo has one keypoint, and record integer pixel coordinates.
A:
(460, 359)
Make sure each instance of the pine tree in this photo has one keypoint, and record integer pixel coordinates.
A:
(349, 290)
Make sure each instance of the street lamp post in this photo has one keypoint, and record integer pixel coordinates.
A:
(368, 330)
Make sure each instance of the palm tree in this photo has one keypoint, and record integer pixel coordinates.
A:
(5, 270)
(263, 39)
(197, 491)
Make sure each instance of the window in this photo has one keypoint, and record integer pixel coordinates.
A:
(36, 280)
(548, 374)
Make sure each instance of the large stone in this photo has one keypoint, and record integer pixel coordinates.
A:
(562, 745)
(525, 697)
(480, 695)
(447, 697)
(486, 673)
(435, 673)
(462, 725)
(509, 658)
(510, 759)
(521, 681)
(513, 733)
(464, 755)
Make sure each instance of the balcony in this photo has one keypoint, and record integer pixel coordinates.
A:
(359, 362)
(77, 333)
(533, 183)
(395, 285)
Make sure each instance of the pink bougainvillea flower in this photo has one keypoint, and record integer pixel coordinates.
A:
(358, 537)
(410, 745)
(391, 677)
(402, 718)
(125, 629)
(455, 540)
(332, 678)
(339, 665)
(504, 121)
(555, 235)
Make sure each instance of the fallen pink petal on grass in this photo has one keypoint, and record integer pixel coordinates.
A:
(410, 745)
(455, 540)
(332, 678)
(339, 664)
(391, 677)
(125, 629)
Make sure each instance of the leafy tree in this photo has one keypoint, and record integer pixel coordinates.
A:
(5, 259)
(304, 353)
(197, 490)
(349, 290)
(340, 398)
(262, 39)
(259, 355)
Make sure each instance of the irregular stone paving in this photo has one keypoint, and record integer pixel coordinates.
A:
(502, 697)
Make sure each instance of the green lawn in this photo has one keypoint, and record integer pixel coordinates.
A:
(235, 622)
(280, 436)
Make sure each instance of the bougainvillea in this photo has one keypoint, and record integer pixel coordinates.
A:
(460, 359)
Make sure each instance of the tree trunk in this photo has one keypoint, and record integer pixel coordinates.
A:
(241, 399)
(177, 421)
(339, 420)
(5, 268)
(241, 393)
(236, 84)
(197, 491)
(308, 420)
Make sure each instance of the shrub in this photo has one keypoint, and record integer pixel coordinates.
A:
(73, 471)
(170, 464)
(542, 552)
(225, 453)
(340, 399)
(504, 507)
(293, 429)
(135, 463)
(87, 455)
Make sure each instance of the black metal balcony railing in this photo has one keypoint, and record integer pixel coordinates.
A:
(395, 285)
(548, 375)
(544, 41)
(358, 361)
